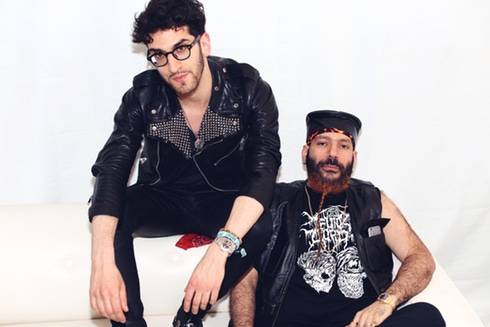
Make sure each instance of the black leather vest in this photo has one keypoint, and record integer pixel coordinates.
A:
(278, 260)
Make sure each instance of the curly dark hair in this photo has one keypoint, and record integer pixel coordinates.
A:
(166, 14)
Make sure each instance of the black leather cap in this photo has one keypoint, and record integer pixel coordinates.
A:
(320, 120)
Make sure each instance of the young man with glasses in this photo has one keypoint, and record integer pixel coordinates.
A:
(208, 165)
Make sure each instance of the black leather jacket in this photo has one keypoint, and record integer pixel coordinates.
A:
(241, 101)
(277, 263)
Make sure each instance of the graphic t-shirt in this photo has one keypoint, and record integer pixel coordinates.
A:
(329, 284)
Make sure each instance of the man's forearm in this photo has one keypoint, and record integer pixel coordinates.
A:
(417, 265)
(242, 301)
(103, 231)
(413, 276)
(244, 214)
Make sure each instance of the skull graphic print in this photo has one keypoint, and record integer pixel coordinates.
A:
(338, 261)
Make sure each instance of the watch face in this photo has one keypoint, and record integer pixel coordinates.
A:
(225, 245)
(388, 299)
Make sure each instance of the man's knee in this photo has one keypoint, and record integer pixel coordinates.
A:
(431, 314)
(421, 314)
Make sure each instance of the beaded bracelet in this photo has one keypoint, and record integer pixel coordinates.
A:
(225, 235)
(229, 235)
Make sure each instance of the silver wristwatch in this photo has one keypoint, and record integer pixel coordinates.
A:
(225, 245)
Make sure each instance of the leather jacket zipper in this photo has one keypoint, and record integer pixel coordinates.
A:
(226, 156)
(207, 146)
(207, 180)
(204, 175)
(158, 165)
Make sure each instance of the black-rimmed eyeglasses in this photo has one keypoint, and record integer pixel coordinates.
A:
(160, 58)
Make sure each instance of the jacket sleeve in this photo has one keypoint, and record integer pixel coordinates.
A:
(116, 159)
(262, 156)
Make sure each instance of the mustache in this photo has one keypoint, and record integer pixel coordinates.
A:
(332, 161)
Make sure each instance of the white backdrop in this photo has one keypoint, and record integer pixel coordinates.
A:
(417, 73)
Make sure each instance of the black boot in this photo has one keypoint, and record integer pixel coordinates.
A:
(184, 319)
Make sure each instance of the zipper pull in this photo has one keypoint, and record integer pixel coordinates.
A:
(198, 144)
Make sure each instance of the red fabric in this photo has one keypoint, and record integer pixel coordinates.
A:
(191, 240)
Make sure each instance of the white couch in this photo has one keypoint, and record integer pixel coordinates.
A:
(45, 269)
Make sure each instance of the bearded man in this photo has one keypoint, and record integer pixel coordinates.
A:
(208, 165)
(329, 261)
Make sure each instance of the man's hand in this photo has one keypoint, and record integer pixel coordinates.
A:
(107, 289)
(108, 293)
(205, 282)
(372, 315)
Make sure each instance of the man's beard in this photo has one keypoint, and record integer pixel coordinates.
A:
(320, 182)
(194, 78)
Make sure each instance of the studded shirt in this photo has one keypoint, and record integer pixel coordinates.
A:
(176, 131)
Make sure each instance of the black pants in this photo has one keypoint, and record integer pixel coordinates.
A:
(413, 315)
(152, 212)
(418, 314)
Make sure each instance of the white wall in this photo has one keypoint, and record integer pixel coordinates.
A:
(417, 73)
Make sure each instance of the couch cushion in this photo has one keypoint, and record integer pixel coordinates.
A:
(47, 248)
(46, 270)
(213, 320)
(442, 293)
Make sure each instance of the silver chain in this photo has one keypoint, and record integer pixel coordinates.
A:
(309, 201)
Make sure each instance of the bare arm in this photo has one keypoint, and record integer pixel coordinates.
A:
(244, 214)
(103, 231)
(107, 289)
(417, 266)
(242, 300)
